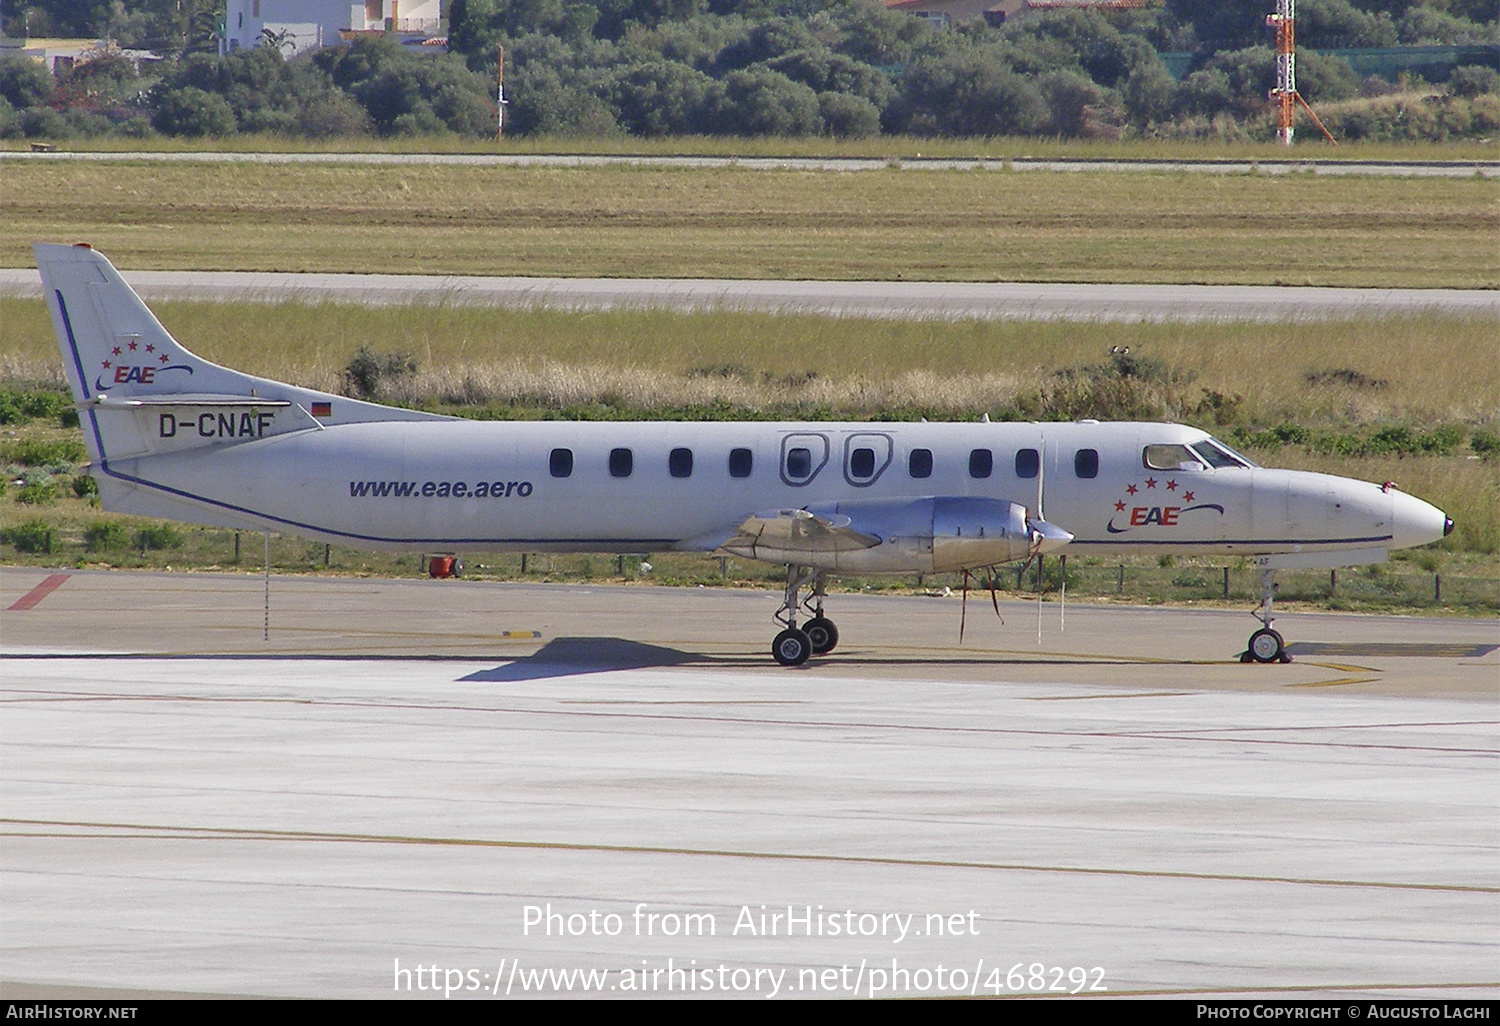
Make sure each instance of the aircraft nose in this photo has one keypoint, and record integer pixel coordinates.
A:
(1414, 522)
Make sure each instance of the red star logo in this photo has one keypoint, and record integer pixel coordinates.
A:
(1171, 486)
(1131, 489)
(1119, 506)
(106, 365)
(132, 346)
(150, 349)
(1150, 482)
(162, 357)
(117, 350)
(1187, 496)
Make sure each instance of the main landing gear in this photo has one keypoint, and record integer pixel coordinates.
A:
(1266, 645)
(818, 635)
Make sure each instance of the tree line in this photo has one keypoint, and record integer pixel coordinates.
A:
(841, 68)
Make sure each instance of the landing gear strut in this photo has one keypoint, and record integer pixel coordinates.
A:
(820, 630)
(1266, 645)
(817, 636)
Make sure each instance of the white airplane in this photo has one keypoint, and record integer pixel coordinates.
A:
(172, 435)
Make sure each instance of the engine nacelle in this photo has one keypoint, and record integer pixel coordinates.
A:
(933, 534)
(968, 533)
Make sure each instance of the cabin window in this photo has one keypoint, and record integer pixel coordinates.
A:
(1086, 463)
(862, 463)
(866, 455)
(981, 463)
(680, 462)
(741, 461)
(561, 463)
(919, 463)
(1028, 463)
(803, 457)
(621, 462)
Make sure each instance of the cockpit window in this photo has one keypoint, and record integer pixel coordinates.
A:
(1170, 457)
(1217, 454)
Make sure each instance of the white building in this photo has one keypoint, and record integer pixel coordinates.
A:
(309, 24)
(56, 54)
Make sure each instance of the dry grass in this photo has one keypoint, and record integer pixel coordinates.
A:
(1418, 369)
(665, 222)
(885, 147)
(555, 386)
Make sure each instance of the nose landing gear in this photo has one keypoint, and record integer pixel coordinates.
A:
(1266, 645)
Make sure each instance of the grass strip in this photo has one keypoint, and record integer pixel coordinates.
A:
(969, 225)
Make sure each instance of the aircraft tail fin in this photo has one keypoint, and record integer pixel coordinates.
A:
(112, 344)
(156, 395)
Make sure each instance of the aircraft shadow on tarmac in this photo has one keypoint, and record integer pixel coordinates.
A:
(567, 657)
(1375, 649)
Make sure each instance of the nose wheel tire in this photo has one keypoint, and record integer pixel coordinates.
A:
(791, 647)
(822, 633)
(1266, 646)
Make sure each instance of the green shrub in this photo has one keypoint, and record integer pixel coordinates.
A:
(1285, 433)
(1442, 440)
(105, 534)
(36, 452)
(19, 407)
(368, 371)
(1344, 376)
(37, 488)
(85, 486)
(1485, 443)
(32, 536)
(158, 536)
(1220, 407)
(36, 494)
(189, 111)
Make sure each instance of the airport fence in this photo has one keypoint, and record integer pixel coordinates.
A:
(1389, 585)
(1374, 585)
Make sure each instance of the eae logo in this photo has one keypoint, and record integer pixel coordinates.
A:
(1151, 515)
(135, 373)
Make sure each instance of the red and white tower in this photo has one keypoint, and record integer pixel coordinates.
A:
(1285, 93)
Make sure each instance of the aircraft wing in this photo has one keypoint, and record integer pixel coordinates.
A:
(797, 530)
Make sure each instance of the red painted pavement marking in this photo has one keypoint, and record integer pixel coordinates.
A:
(41, 591)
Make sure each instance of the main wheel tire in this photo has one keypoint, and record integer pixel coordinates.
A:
(822, 633)
(791, 647)
(1266, 646)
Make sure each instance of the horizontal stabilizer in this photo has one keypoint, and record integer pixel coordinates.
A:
(109, 402)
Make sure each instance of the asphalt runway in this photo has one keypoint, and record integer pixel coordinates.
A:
(502, 790)
(916, 300)
(1271, 166)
